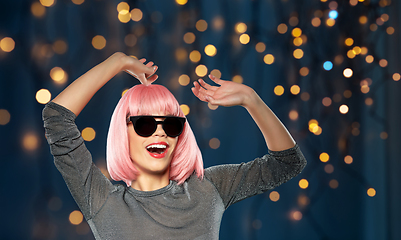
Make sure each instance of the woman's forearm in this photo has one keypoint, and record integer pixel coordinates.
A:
(78, 93)
(275, 133)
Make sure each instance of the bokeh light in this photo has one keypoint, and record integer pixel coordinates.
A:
(201, 70)
(344, 109)
(214, 143)
(348, 72)
(136, 14)
(38, 10)
(279, 90)
(348, 159)
(189, 37)
(7, 44)
(88, 134)
(185, 109)
(268, 59)
(371, 192)
(30, 141)
(47, 3)
(4, 117)
(303, 183)
(184, 80)
(58, 75)
(240, 27)
(43, 96)
(201, 25)
(210, 50)
(282, 28)
(195, 56)
(238, 79)
(328, 65)
(274, 196)
(181, 2)
(295, 89)
(76, 217)
(260, 47)
(244, 38)
(298, 53)
(98, 42)
(324, 157)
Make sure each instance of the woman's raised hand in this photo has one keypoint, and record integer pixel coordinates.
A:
(145, 73)
(227, 94)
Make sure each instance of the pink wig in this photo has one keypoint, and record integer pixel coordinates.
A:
(146, 100)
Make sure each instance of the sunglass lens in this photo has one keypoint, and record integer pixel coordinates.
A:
(145, 126)
(173, 127)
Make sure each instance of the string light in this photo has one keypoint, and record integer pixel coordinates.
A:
(43, 96)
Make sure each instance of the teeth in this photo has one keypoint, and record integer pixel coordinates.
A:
(157, 146)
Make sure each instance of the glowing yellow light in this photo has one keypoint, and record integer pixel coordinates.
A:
(201, 70)
(38, 10)
(313, 126)
(324, 157)
(365, 89)
(369, 59)
(343, 109)
(125, 90)
(304, 71)
(323, 0)
(326, 101)
(185, 109)
(279, 90)
(383, 63)
(136, 14)
(47, 3)
(333, 184)
(351, 54)
(348, 159)
(303, 183)
(274, 196)
(7, 44)
(364, 50)
(357, 50)
(240, 27)
(4, 117)
(295, 89)
(212, 107)
(297, 41)
(78, 2)
(348, 72)
(371, 192)
(181, 54)
(124, 16)
(329, 168)
(390, 30)
(282, 28)
(189, 38)
(214, 143)
(353, 2)
(349, 41)
(201, 25)
(260, 47)
(244, 38)
(98, 42)
(298, 53)
(184, 80)
(296, 32)
(76, 217)
(268, 59)
(293, 115)
(43, 96)
(210, 50)
(238, 79)
(216, 73)
(363, 19)
(57, 74)
(181, 2)
(59, 47)
(316, 22)
(123, 7)
(330, 22)
(396, 76)
(195, 56)
(88, 134)
(30, 141)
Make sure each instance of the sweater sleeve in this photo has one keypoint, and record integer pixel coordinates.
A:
(235, 182)
(87, 184)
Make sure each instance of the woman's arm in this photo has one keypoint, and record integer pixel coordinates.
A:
(230, 94)
(77, 94)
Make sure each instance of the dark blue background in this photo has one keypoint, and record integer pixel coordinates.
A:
(30, 183)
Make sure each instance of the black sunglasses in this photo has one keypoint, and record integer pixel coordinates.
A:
(145, 126)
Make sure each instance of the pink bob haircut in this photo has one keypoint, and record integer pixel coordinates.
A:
(146, 100)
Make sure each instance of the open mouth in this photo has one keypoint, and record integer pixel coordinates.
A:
(157, 148)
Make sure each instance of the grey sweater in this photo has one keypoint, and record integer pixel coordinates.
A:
(192, 210)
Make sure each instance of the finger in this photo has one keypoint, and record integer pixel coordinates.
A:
(206, 91)
(142, 60)
(207, 86)
(152, 71)
(149, 64)
(153, 78)
(197, 93)
(215, 79)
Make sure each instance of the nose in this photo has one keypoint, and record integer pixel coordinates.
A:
(159, 131)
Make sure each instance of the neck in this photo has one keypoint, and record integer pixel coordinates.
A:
(150, 182)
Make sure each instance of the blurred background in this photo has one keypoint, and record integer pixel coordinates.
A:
(329, 69)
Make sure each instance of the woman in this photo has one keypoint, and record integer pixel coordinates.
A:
(152, 149)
